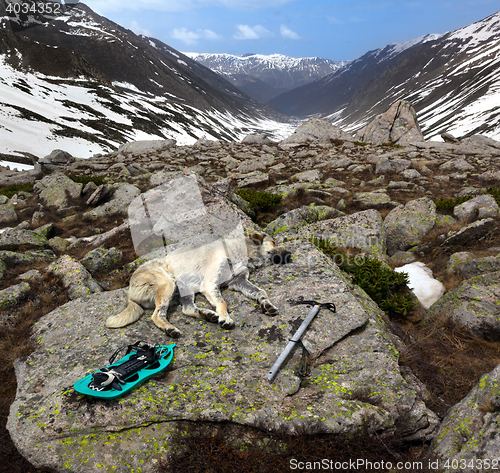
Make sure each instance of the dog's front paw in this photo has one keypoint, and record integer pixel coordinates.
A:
(227, 323)
(268, 308)
(173, 332)
(210, 315)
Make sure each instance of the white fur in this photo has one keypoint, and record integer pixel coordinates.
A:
(427, 289)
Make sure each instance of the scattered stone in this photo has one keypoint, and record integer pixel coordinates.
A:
(315, 130)
(59, 244)
(101, 259)
(388, 165)
(457, 260)
(308, 176)
(490, 176)
(257, 139)
(8, 213)
(465, 264)
(363, 230)
(407, 225)
(32, 275)
(449, 138)
(74, 277)
(473, 306)
(89, 188)
(458, 164)
(374, 200)
(45, 230)
(411, 174)
(482, 206)
(135, 170)
(14, 239)
(475, 231)
(97, 195)
(11, 296)
(56, 189)
(56, 161)
(146, 147)
(401, 258)
(118, 205)
(290, 222)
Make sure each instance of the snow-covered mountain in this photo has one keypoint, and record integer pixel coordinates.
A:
(452, 80)
(86, 85)
(264, 77)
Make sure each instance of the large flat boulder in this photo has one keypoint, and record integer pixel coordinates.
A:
(354, 378)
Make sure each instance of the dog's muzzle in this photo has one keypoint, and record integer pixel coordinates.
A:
(283, 257)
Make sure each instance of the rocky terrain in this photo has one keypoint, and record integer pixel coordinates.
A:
(429, 377)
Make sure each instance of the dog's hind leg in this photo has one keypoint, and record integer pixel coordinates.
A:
(214, 296)
(190, 308)
(164, 293)
(241, 284)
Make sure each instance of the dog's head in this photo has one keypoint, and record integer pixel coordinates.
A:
(262, 249)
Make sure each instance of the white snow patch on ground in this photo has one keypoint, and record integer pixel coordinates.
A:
(427, 289)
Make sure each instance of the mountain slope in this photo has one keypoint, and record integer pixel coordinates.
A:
(264, 77)
(453, 82)
(336, 90)
(147, 64)
(51, 97)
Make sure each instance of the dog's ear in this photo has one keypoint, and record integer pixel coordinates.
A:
(257, 238)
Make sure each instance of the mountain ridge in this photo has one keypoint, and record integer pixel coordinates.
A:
(264, 77)
(452, 81)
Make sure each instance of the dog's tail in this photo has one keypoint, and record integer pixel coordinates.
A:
(132, 312)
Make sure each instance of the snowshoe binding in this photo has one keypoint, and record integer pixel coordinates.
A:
(141, 362)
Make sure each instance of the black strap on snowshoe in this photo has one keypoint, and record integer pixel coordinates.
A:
(113, 378)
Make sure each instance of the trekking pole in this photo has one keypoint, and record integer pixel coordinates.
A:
(298, 334)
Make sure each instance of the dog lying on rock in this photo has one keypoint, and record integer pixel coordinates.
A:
(200, 270)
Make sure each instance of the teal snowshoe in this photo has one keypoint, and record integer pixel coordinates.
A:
(141, 362)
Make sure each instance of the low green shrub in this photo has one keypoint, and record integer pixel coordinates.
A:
(13, 189)
(387, 288)
(448, 205)
(261, 201)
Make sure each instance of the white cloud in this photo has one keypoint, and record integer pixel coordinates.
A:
(256, 32)
(287, 33)
(191, 37)
(134, 26)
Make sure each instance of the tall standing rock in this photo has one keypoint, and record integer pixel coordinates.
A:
(398, 125)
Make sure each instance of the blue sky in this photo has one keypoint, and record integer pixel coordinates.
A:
(334, 29)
